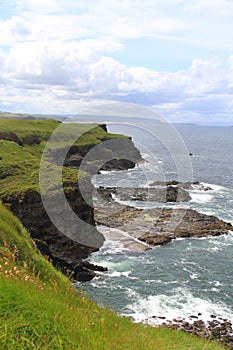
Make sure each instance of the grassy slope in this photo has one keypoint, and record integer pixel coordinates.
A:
(39, 309)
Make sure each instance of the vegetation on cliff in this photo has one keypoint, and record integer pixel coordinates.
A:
(22, 143)
(39, 308)
(21, 146)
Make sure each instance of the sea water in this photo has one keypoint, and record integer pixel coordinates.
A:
(187, 276)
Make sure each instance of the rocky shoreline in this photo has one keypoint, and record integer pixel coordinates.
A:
(144, 228)
(66, 254)
(216, 328)
(156, 226)
(160, 226)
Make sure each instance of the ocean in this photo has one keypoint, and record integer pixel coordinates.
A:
(188, 276)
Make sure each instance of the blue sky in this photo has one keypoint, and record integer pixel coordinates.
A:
(175, 57)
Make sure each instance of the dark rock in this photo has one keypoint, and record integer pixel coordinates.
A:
(43, 247)
(118, 164)
(82, 274)
(212, 330)
(161, 195)
(93, 267)
(73, 160)
(64, 252)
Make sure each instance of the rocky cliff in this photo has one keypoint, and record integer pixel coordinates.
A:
(20, 160)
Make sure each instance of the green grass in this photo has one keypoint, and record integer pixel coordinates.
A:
(22, 143)
(39, 309)
(19, 170)
(36, 131)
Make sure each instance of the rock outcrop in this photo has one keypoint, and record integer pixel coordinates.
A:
(151, 194)
(159, 226)
(182, 223)
(216, 328)
(63, 251)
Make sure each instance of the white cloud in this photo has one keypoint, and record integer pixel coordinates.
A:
(59, 55)
(70, 76)
(14, 30)
(204, 23)
(38, 5)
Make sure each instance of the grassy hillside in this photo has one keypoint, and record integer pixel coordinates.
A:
(39, 309)
(21, 146)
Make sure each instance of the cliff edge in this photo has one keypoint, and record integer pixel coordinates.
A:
(22, 143)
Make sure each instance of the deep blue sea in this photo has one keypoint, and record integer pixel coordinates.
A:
(188, 276)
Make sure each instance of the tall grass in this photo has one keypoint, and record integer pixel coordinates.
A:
(39, 309)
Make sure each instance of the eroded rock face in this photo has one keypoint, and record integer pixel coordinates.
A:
(115, 154)
(65, 253)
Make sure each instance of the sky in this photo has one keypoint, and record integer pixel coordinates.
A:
(174, 57)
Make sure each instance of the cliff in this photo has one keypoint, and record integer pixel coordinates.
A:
(40, 309)
(22, 143)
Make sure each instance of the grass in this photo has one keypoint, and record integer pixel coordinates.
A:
(36, 131)
(39, 309)
(22, 143)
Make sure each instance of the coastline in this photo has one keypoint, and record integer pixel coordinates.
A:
(26, 203)
(61, 251)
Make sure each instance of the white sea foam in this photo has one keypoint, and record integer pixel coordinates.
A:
(213, 186)
(182, 304)
(118, 273)
(200, 197)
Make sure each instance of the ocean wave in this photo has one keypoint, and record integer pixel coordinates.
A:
(181, 304)
(118, 274)
(200, 197)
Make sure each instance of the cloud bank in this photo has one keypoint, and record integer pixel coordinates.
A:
(61, 58)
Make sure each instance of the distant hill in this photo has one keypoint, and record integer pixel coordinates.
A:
(9, 115)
